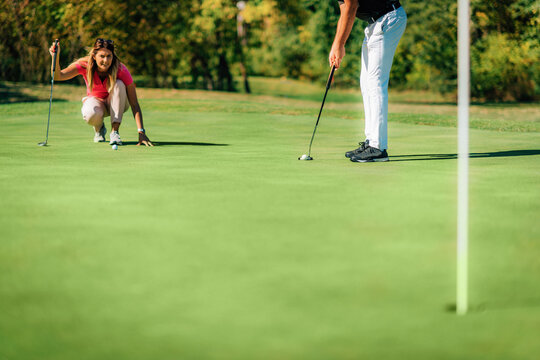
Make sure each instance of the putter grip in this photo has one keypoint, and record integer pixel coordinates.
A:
(329, 82)
(55, 54)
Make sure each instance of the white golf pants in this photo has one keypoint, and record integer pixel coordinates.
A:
(380, 43)
(94, 109)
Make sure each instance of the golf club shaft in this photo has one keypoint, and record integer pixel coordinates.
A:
(52, 83)
(328, 83)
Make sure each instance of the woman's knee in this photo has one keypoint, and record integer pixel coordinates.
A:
(93, 115)
(119, 86)
(118, 98)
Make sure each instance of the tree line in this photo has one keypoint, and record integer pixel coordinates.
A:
(208, 43)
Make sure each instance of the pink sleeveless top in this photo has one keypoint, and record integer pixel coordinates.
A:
(99, 89)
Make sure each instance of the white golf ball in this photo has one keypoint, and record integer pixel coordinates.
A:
(115, 147)
(303, 157)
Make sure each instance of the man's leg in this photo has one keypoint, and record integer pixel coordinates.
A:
(384, 37)
(364, 86)
(365, 100)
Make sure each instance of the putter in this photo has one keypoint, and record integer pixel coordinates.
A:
(308, 156)
(44, 143)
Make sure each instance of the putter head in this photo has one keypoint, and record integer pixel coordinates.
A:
(44, 143)
(305, 157)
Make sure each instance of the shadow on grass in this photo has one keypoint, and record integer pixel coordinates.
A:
(175, 143)
(13, 97)
(12, 93)
(508, 153)
(9, 96)
(492, 104)
(497, 306)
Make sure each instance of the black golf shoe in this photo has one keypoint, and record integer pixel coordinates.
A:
(356, 152)
(370, 154)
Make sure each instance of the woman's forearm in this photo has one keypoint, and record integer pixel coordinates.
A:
(137, 114)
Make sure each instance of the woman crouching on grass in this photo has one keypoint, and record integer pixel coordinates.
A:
(109, 88)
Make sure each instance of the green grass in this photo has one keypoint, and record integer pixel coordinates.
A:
(293, 97)
(219, 244)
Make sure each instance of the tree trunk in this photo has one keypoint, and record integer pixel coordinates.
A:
(225, 80)
(240, 49)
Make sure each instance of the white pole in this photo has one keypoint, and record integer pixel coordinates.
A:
(463, 154)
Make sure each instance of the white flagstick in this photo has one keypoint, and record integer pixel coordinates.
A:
(463, 154)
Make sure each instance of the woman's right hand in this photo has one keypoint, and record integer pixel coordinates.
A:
(51, 49)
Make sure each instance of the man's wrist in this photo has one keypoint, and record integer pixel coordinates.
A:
(141, 130)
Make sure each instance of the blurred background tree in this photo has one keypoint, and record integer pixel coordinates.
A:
(196, 43)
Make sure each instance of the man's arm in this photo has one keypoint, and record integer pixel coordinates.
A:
(345, 24)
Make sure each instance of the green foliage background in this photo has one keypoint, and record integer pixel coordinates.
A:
(194, 43)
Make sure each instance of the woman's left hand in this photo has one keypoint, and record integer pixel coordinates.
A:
(143, 139)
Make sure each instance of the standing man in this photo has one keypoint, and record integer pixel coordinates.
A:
(386, 23)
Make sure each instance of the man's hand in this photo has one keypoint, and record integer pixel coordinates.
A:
(345, 24)
(336, 55)
(143, 139)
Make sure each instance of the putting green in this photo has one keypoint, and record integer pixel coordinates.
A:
(219, 244)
